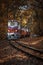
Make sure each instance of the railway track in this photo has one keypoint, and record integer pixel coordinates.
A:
(30, 47)
(27, 50)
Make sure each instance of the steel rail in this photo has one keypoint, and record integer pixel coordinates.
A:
(25, 50)
(29, 47)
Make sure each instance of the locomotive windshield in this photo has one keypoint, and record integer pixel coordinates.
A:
(12, 23)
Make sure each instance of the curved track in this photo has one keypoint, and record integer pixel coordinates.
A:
(27, 50)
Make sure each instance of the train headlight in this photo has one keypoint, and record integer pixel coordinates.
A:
(15, 30)
(8, 30)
